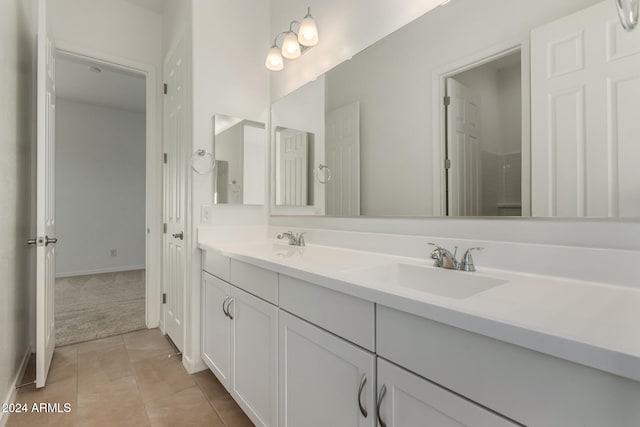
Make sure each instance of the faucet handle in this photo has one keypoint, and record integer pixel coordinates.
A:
(467, 260)
(436, 254)
(301, 238)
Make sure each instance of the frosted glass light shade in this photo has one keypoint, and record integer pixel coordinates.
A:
(274, 60)
(290, 46)
(628, 11)
(308, 33)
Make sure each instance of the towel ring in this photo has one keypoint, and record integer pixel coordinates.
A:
(202, 162)
(327, 174)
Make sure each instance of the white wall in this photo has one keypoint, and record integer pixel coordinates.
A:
(229, 78)
(100, 188)
(17, 131)
(345, 27)
(113, 27)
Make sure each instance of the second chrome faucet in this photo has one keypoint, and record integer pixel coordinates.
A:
(295, 239)
(444, 258)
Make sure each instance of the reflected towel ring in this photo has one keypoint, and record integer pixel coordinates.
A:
(327, 173)
(202, 162)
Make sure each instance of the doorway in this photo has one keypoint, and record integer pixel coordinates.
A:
(100, 193)
(484, 139)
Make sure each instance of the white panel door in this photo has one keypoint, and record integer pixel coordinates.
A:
(174, 193)
(323, 380)
(342, 155)
(463, 150)
(406, 400)
(294, 167)
(254, 357)
(216, 328)
(585, 94)
(45, 209)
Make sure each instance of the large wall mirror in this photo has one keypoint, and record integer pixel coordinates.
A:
(477, 108)
(239, 150)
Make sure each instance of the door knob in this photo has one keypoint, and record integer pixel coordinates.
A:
(179, 235)
(48, 240)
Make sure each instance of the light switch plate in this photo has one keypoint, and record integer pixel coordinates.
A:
(206, 212)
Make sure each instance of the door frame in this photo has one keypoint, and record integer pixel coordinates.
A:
(153, 184)
(439, 125)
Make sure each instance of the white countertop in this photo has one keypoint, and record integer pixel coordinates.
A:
(593, 324)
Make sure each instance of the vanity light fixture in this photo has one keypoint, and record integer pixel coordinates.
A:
(628, 12)
(294, 44)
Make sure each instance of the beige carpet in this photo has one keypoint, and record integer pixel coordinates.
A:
(98, 306)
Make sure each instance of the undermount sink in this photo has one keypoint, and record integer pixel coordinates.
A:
(438, 281)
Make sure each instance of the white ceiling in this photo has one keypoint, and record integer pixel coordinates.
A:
(112, 87)
(152, 5)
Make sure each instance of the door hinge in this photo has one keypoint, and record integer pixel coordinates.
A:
(166, 89)
(164, 228)
(447, 100)
(164, 158)
(447, 164)
(164, 298)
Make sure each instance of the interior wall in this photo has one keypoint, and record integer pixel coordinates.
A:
(100, 188)
(17, 134)
(345, 27)
(229, 77)
(113, 27)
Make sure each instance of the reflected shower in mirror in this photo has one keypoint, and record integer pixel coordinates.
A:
(239, 151)
(465, 113)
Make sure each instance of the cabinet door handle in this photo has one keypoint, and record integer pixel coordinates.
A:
(229, 308)
(383, 391)
(224, 309)
(363, 381)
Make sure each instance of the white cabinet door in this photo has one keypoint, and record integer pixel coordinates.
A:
(406, 400)
(216, 336)
(254, 357)
(323, 380)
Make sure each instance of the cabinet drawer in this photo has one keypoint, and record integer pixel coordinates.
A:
(349, 317)
(216, 264)
(255, 280)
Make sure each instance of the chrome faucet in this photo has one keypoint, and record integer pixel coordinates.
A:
(295, 239)
(445, 259)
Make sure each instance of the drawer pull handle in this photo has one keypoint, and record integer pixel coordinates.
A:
(383, 391)
(224, 309)
(363, 381)
(229, 308)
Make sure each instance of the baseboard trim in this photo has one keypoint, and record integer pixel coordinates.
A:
(99, 271)
(12, 392)
(192, 366)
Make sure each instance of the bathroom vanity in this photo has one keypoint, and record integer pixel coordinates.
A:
(320, 335)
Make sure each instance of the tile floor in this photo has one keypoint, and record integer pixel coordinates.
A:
(128, 380)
